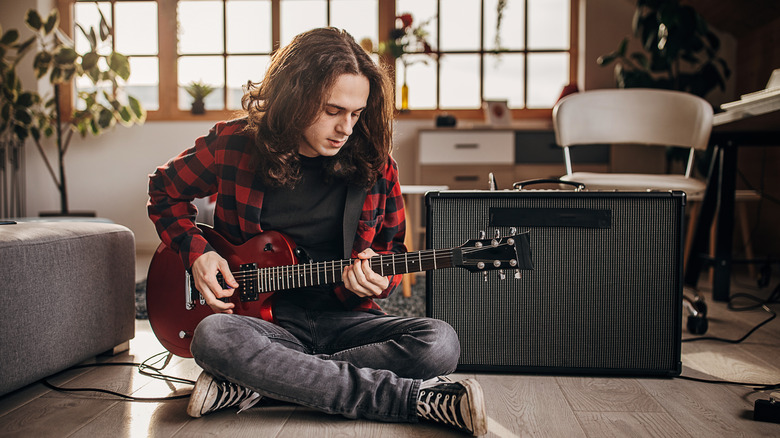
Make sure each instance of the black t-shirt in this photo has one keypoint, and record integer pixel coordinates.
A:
(311, 214)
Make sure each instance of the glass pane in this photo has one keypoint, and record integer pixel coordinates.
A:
(143, 82)
(548, 24)
(421, 81)
(422, 11)
(241, 69)
(200, 27)
(504, 78)
(547, 75)
(136, 28)
(460, 25)
(301, 15)
(460, 81)
(88, 16)
(358, 17)
(206, 69)
(512, 25)
(249, 26)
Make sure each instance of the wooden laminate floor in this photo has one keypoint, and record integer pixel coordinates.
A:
(518, 405)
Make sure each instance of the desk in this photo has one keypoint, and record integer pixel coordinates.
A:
(758, 125)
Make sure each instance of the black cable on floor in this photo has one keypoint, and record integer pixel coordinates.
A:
(145, 368)
(760, 304)
(756, 386)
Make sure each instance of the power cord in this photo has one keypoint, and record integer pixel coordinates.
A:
(756, 386)
(759, 304)
(147, 368)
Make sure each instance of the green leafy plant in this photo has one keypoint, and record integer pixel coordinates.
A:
(680, 52)
(198, 90)
(26, 114)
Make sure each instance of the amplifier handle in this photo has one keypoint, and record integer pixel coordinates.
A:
(578, 186)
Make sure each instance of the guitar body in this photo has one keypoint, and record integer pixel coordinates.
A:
(174, 314)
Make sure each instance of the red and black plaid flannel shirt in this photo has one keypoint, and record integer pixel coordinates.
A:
(220, 163)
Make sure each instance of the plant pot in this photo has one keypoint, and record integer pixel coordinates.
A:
(198, 107)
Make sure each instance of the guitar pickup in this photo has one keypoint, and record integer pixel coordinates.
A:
(247, 287)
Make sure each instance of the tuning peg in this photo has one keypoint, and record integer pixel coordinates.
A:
(497, 234)
(501, 274)
(512, 231)
(518, 275)
(482, 234)
(484, 275)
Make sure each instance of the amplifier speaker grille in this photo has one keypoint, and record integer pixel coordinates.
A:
(602, 299)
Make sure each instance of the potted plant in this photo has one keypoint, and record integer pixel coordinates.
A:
(198, 90)
(680, 52)
(26, 114)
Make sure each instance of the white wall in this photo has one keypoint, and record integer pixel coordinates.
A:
(108, 174)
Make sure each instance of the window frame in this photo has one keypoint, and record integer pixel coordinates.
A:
(168, 60)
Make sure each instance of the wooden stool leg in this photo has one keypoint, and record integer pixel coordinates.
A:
(406, 283)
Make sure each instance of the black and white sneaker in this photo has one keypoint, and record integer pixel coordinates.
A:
(458, 404)
(211, 395)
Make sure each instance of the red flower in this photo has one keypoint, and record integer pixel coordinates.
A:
(406, 19)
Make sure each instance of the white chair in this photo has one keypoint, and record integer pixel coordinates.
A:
(636, 117)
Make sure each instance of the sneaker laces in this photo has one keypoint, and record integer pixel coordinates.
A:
(441, 409)
(229, 394)
(252, 400)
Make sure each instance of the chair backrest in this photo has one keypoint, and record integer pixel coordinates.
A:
(633, 116)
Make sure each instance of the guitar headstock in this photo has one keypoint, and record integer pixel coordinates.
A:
(512, 252)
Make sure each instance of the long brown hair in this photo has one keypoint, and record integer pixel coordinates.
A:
(292, 95)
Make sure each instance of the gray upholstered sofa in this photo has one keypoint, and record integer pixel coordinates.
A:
(67, 293)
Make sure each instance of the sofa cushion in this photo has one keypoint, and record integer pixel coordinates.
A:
(67, 294)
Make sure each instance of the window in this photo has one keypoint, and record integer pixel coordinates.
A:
(527, 65)
(125, 18)
(225, 43)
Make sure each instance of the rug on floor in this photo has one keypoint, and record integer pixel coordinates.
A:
(396, 304)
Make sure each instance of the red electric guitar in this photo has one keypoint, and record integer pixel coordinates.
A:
(268, 263)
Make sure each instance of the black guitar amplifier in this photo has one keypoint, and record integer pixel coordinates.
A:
(605, 295)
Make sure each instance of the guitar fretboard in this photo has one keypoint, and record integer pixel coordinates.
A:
(316, 273)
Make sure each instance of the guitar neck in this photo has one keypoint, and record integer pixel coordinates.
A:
(316, 273)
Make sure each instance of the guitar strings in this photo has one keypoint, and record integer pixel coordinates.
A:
(323, 268)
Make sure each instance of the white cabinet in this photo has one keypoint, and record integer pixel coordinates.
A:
(467, 147)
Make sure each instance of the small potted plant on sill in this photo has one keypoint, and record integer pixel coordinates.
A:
(198, 91)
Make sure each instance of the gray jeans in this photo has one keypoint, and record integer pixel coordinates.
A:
(356, 364)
